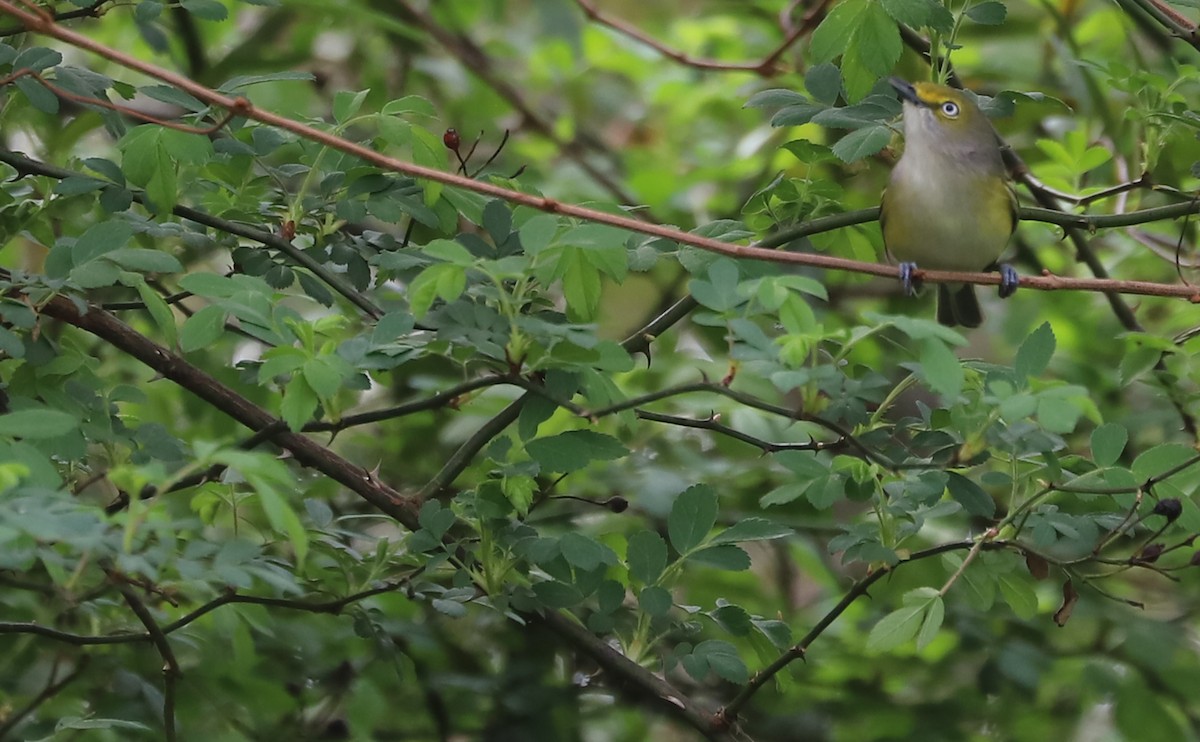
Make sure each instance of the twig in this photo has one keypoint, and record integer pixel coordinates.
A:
(243, 107)
(171, 671)
(52, 689)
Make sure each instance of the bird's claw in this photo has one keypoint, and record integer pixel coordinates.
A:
(909, 278)
(1009, 280)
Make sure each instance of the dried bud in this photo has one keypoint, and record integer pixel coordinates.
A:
(617, 504)
(451, 139)
(1169, 507)
(1195, 561)
(1151, 552)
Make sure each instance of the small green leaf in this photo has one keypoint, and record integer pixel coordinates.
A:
(832, 37)
(444, 280)
(941, 368)
(573, 450)
(692, 516)
(726, 556)
(1018, 593)
(1035, 353)
(655, 600)
(100, 239)
(1108, 441)
(449, 251)
(299, 403)
(555, 594)
(862, 143)
(202, 329)
(646, 555)
(37, 423)
(824, 82)
(160, 312)
(990, 13)
(934, 614)
(752, 529)
(584, 552)
(347, 103)
(970, 495)
(896, 628)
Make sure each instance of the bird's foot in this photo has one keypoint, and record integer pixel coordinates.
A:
(1009, 280)
(910, 278)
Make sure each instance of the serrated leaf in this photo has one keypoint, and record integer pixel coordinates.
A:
(202, 329)
(970, 495)
(692, 516)
(862, 143)
(37, 423)
(1108, 441)
(584, 552)
(646, 555)
(1035, 353)
(990, 13)
(896, 628)
(832, 36)
(941, 368)
(726, 556)
(573, 450)
(752, 529)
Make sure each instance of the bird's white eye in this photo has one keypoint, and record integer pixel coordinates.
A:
(950, 108)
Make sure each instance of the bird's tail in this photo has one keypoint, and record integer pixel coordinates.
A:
(958, 305)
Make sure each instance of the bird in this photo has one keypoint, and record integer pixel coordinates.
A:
(949, 204)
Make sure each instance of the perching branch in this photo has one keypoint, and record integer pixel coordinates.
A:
(243, 107)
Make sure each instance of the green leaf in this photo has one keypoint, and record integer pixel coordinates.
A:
(1017, 591)
(752, 529)
(646, 555)
(160, 312)
(832, 37)
(877, 42)
(935, 612)
(100, 239)
(573, 450)
(202, 329)
(693, 515)
(323, 375)
(584, 552)
(970, 495)
(1035, 353)
(942, 370)
(722, 658)
(862, 143)
(37, 423)
(580, 284)
(555, 594)
(896, 628)
(209, 10)
(444, 280)
(347, 103)
(726, 556)
(1108, 441)
(299, 403)
(449, 251)
(655, 600)
(538, 233)
(990, 13)
(824, 82)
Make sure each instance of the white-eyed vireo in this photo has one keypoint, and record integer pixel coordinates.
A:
(949, 205)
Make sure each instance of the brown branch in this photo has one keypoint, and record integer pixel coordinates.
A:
(243, 107)
(711, 424)
(28, 166)
(729, 713)
(91, 11)
(642, 685)
(171, 671)
(86, 100)
(768, 66)
(52, 689)
(306, 451)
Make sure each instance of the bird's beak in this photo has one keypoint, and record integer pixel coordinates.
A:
(906, 90)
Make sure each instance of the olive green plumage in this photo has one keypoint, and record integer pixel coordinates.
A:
(949, 205)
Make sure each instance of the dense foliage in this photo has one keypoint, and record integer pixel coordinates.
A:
(298, 444)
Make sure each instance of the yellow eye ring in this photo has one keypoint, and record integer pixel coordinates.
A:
(950, 109)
